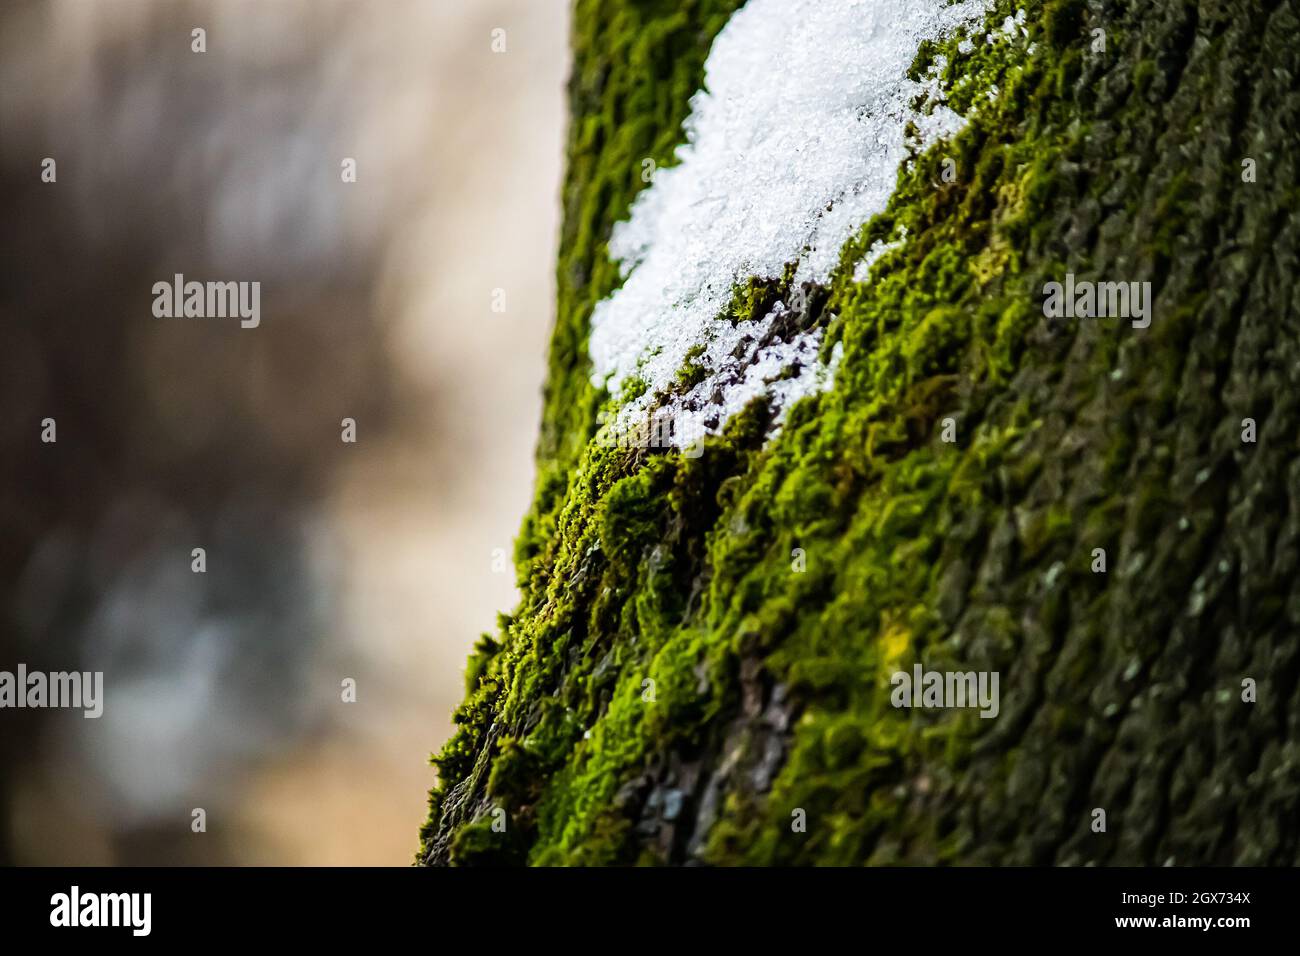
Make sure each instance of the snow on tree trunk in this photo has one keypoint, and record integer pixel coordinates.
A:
(919, 478)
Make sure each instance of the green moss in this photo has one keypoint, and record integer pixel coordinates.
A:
(480, 844)
(703, 646)
(755, 298)
(691, 372)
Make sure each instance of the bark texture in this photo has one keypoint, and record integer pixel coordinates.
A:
(1121, 690)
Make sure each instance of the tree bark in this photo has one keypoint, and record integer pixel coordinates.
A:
(1170, 156)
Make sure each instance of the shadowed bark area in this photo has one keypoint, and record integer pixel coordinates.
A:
(769, 589)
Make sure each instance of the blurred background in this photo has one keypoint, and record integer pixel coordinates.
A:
(380, 561)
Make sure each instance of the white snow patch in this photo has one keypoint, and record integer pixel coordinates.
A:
(794, 142)
(878, 249)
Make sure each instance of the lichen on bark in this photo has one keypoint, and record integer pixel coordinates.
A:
(767, 589)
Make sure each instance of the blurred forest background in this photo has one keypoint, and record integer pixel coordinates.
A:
(324, 560)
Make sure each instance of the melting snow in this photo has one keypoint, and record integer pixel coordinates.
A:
(794, 142)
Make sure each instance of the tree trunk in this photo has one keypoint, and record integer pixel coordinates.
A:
(1106, 516)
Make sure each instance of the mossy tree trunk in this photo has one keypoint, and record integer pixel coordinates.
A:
(1122, 689)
